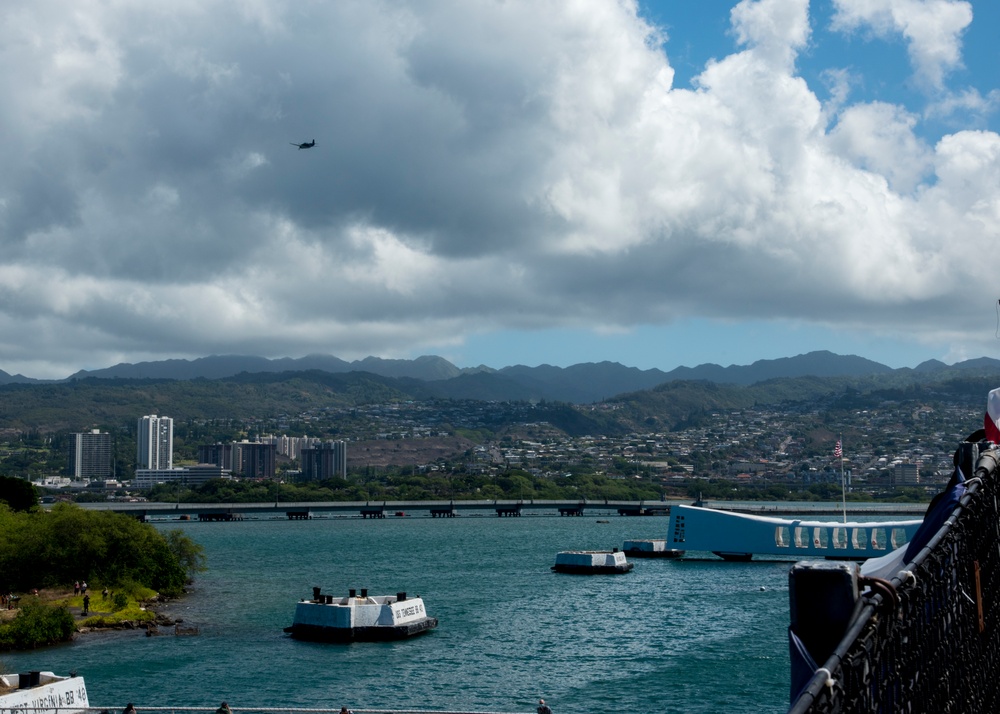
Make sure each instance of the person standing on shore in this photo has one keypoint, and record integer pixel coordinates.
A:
(129, 709)
(86, 604)
(543, 708)
(224, 709)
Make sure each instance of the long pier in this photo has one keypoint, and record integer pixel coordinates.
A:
(305, 510)
(376, 509)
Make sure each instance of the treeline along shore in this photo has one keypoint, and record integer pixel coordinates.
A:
(67, 569)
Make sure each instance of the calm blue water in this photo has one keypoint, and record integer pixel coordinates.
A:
(671, 636)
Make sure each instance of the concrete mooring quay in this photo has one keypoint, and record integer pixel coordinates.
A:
(497, 508)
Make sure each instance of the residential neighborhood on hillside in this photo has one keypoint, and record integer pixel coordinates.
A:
(885, 449)
(882, 432)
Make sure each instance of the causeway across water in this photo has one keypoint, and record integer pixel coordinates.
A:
(502, 508)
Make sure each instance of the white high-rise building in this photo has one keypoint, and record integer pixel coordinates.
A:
(155, 441)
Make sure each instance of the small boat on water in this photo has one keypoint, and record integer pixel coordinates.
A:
(650, 549)
(591, 562)
(359, 618)
(42, 692)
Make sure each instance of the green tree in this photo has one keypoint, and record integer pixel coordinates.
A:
(18, 493)
(45, 549)
(189, 554)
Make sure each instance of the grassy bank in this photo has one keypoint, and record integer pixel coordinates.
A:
(56, 615)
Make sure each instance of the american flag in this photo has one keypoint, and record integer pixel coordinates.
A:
(838, 450)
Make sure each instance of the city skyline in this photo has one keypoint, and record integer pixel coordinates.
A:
(655, 184)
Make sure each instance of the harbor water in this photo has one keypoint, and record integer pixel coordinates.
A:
(695, 635)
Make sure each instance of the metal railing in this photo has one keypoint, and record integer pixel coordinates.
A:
(928, 639)
(238, 710)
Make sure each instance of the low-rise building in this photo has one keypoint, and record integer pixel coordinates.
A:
(184, 475)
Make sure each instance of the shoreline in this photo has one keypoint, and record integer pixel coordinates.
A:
(100, 607)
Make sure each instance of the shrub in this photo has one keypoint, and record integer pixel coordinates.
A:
(37, 624)
(119, 601)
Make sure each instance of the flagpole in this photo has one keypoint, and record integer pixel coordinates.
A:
(843, 482)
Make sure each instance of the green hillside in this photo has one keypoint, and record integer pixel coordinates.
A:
(79, 404)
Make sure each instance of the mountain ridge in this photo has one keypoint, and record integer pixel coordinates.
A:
(581, 383)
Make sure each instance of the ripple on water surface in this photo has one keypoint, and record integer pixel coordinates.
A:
(671, 636)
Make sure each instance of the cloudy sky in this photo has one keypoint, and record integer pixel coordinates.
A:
(498, 181)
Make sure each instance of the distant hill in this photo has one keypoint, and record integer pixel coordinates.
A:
(483, 386)
(6, 378)
(931, 365)
(582, 383)
(578, 384)
(88, 403)
(813, 364)
(675, 404)
(978, 363)
(682, 404)
(220, 367)
(428, 367)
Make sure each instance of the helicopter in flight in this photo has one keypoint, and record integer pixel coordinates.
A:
(305, 145)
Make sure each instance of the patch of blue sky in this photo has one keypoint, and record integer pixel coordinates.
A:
(685, 343)
(876, 67)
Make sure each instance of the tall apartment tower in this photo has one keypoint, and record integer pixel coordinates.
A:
(324, 461)
(217, 454)
(89, 455)
(254, 460)
(155, 443)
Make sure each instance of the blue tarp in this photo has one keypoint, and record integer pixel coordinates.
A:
(803, 666)
(937, 513)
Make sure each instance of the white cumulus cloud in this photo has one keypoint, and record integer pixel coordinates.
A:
(478, 167)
